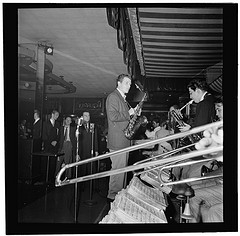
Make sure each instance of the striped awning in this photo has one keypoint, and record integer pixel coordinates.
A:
(214, 77)
(179, 43)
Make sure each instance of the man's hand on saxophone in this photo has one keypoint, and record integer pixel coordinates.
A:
(131, 111)
(136, 110)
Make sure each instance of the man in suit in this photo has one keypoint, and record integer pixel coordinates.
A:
(67, 145)
(205, 110)
(85, 143)
(118, 116)
(50, 136)
(37, 141)
(50, 133)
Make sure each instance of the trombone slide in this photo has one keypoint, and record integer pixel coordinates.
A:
(164, 161)
(136, 167)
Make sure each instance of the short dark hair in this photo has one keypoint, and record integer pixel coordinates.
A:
(219, 100)
(55, 111)
(66, 116)
(86, 111)
(37, 112)
(121, 77)
(198, 83)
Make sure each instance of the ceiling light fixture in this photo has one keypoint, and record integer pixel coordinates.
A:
(48, 50)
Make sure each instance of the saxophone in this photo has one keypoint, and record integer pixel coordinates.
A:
(134, 122)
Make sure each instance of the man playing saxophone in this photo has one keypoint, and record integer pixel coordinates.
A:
(118, 116)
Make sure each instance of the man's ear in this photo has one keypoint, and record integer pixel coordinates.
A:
(198, 90)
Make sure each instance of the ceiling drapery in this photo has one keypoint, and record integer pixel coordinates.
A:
(118, 18)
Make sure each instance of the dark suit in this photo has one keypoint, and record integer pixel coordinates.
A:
(118, 119)
(68, 148)
(50, 133)
(37, 141)
(205, 111)
(85, 147)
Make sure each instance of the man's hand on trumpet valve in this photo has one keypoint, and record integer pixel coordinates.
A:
(178, 113)
(184, 128)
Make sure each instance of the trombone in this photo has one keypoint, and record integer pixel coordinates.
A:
(189, 179)
(160, 162)
(162, 155)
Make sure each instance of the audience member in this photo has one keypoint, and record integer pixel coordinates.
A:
(67, 145)
(156, 127)
(37, 139)
(22, 129)
(88, 144)
(50, 136)
(50, 133)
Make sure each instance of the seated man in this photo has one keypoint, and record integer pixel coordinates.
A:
(162, 147)
(156, 127)
(161, 133)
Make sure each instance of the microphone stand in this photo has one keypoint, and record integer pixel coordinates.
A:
(76, 174)
(91, 202)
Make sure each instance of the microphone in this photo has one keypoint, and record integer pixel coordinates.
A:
(80, 121)
(92, 127)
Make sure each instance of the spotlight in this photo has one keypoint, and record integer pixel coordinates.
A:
(48, 50)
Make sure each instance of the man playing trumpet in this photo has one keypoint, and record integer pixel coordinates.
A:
(205, 111)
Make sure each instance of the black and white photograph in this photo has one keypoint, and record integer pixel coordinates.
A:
(113, 118)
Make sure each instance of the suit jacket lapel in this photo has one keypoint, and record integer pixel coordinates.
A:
(122, 99)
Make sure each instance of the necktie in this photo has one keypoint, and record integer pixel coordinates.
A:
(65, 134)
(86, 127)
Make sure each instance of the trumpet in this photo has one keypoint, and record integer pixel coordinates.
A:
(177, 116)
(160, 162)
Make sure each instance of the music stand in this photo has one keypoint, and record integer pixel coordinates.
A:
(48, 155)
